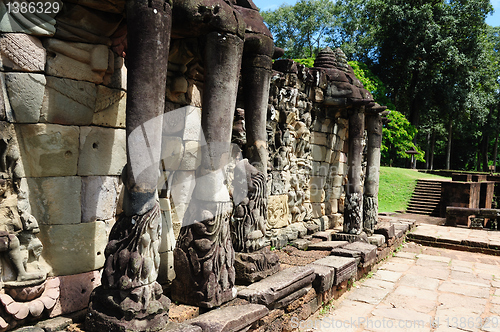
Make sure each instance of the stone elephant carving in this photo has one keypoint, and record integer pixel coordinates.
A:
(236, 40)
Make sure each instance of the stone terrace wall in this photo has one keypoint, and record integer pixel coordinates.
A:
(62, 102)
(307, 153)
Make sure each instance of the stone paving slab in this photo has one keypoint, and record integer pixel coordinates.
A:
(449, 290)
(461, 238)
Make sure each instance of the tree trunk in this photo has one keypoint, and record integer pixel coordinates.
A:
(433, 145)
(484, 151)
(414, 108)
(448, 148)
(428, 151)
(495, 153)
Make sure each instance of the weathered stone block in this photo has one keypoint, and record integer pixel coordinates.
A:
(318, 138)
(376, 239)
(99, 197)
(345, 268)
(116, 78)
(63, 245)
(182, 327)
(316, 185)
(327, 245)
(300, 228)
(192, 126)
(337, 180)
(339, 144)
(56, 200)
(320, 169)
(288, 300)
(234, 318)
(75, 292)
(192, 156)
(278, 285)
(323, 236)
(69, 102)
(325, 277)
(55, 324)
(48, 150)
(318, 210)
(332, 207)
(255, 266)
(110, 107)
(21, 52)
(301, 244)
(349, 237)
(386, 229)
(318, 152)
(182, 186)
(172, 152)
(102, 151)
(166, 273)
(25, 91)
(77, 61)
(336, 192)
(367, 252)
(336, 220)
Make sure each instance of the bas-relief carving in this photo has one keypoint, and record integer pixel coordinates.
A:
(22, 269)
(19, 51)
(277, 215)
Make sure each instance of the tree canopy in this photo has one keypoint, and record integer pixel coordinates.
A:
(436, 63)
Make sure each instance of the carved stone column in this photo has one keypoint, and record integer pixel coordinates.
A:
(130, 298)
(204, 255)
(370, 200)
(353, 214)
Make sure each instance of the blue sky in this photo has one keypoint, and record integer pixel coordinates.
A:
(493, 20)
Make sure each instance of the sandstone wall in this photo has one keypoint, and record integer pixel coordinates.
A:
(64, 100)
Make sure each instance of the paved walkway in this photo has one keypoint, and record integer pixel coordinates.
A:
(421, 288)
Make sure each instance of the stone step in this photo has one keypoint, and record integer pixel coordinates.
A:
(333, 270)
(386, 229)
(364, 252)
(426, 199)
(422, 206)
(421, 191)
(278, 286)
(327, 245)
(229, 319)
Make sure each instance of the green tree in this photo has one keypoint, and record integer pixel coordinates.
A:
(398, 135)
(301, 29)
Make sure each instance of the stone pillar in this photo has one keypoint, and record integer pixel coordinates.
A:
(370, 199)
(353, 213)
(204, 255)
(256, 79)
(130, 298)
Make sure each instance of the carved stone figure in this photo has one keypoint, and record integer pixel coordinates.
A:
(18, 228)
(234, 34)
(22, 269)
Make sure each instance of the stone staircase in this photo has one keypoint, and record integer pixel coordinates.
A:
(426, 198)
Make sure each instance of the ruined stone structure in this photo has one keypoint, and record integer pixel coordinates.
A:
(103, 166)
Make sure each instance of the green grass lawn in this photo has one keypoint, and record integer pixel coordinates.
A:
(396, 187)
